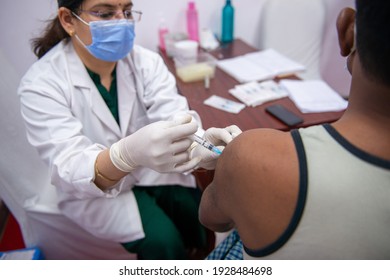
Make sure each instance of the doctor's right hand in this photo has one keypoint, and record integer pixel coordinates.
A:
(161, 146)
(219, 137)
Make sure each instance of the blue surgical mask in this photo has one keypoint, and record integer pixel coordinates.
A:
(112, 40)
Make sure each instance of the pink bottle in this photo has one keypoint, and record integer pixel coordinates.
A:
(162, 30)
(192, 22)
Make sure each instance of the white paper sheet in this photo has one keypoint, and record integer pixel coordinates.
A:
(254, 94)
(224, 104)
(259, 66)
(314, 96)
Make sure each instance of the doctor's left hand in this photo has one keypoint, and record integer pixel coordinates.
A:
(219, 137)
(162, 146)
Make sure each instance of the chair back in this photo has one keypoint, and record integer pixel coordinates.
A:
(294, 28)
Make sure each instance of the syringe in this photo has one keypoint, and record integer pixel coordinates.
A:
(207, 144)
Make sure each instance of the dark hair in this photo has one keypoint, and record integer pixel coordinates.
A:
(373, 38)
(54, 31)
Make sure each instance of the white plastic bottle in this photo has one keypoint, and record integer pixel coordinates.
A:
(162, 30)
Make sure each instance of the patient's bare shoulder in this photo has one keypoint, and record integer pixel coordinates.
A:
(258, 173)
(255, 152)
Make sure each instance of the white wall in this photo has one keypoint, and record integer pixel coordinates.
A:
(20, 21)
(24, 19)
(246, 12)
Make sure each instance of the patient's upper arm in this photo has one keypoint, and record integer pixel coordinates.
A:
(255, 183)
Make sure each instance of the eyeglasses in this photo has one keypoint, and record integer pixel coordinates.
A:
(132, 15)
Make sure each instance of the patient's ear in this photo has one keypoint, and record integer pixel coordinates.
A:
(345, 29)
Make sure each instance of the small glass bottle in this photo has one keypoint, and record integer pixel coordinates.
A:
(227, 34)
(192, 22)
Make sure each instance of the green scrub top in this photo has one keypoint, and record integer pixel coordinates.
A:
(111, 96)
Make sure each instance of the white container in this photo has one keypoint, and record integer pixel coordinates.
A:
(186, 49)
(202, 67)
(170, 40)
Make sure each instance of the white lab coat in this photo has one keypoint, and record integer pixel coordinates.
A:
(69, 123)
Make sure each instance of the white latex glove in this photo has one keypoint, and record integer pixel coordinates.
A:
(219, 137)
(162, 146)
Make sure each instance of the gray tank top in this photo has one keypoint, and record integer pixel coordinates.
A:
(343, 209)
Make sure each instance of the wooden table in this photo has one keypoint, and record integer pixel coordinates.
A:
(249, 117)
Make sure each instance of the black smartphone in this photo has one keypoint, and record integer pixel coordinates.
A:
(283, 114)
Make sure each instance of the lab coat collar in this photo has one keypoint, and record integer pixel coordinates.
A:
(80, 78)
(127, 94)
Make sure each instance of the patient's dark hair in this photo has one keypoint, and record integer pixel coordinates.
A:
(373, 38)
(54, 31)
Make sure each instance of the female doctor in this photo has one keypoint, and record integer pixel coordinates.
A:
(106, 118)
